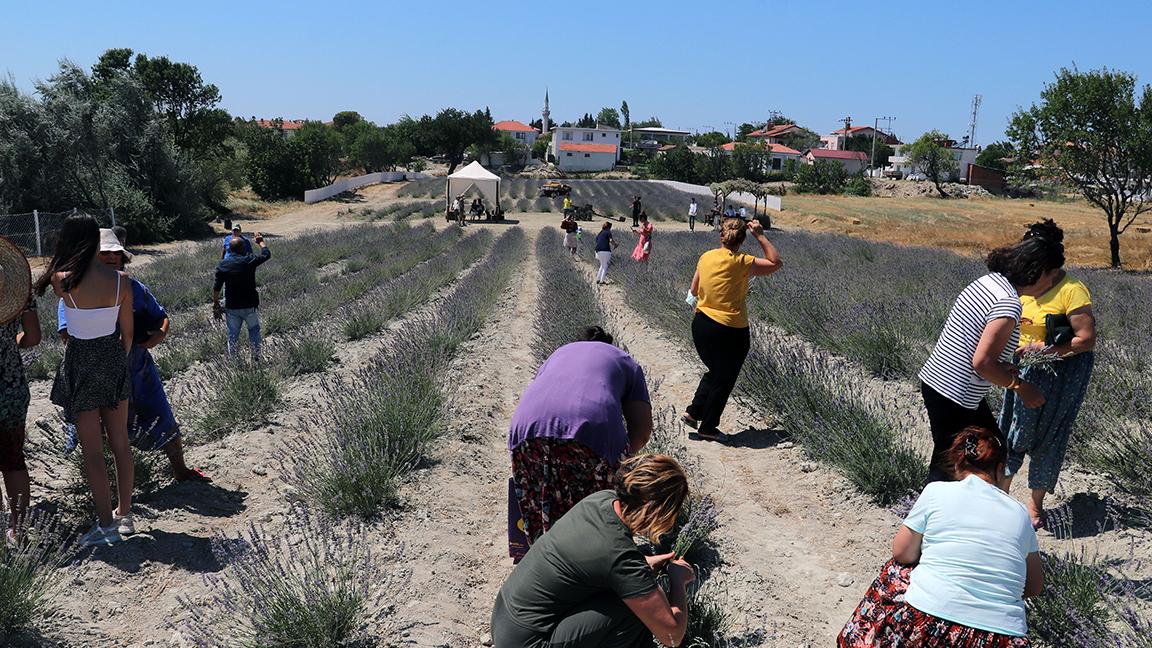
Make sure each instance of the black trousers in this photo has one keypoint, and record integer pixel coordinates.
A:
(947, 418)
(602, 621)
(722, 349)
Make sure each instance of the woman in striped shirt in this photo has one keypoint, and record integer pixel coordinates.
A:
(975, 348)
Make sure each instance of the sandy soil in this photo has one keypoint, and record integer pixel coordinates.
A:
(798, 546)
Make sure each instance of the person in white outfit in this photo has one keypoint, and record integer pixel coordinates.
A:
(604, 245)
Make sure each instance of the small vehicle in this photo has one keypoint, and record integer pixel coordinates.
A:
(553, 188)
(916, 177)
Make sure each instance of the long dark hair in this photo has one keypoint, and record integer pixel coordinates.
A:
(76, 245)
(1041, 250)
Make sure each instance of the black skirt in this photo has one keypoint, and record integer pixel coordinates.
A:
(93, 375)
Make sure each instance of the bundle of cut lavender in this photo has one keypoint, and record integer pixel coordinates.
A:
(701, 522)
(1038, 357)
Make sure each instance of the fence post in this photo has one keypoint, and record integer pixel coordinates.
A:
(112, 210)
(36, 223)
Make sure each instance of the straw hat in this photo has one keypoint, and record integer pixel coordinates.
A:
(15, 281)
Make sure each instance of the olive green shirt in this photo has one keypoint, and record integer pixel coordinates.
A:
(586, 553)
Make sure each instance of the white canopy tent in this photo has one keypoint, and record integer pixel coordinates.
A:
(475, 175)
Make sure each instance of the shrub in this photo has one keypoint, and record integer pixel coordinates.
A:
(569, 303)
(314, 586)
(241, 396)
(1073, 610)
(858, 185)
(823, 177)
(31, 574)
(305, 355)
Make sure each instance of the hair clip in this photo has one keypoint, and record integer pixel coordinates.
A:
(970, 448)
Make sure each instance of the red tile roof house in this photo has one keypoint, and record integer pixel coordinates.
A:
(853, 161)
(585, 149)
(778, 155)
(288, 127)
(518, 131)
(773, 134)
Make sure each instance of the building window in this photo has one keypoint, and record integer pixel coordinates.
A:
(566, 135)
(520, 136)
(775, 164)
(587, 155)
(588, 137)
(568, 155)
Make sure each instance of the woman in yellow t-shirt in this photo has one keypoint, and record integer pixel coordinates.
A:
(1059, 322)
(720, 327)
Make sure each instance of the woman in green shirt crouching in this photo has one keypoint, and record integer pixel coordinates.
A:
(584, 583)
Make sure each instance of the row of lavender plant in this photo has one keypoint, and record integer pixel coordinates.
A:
(566, 304)
(241, 395)
(182, 282)
(378, 425)
(836, 419)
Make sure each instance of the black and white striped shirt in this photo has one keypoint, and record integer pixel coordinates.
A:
(949, 369)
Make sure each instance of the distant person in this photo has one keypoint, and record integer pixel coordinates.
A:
(151, 423)
(457, 206)
(1060, 322)
(962, 563)
(692, 216)
(245, 246)
(743, 213)
(587, 409)
(237, 275)
(729, 212)
(604, 246)
(720, 326)
(637, 207)
(22, 332)
(567, 205)
(643, 248)
(585, 584)
(571, 228)
(93, 383)
(975, 349)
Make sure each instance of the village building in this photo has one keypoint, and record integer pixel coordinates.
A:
(287, 127)
(838, 138)
(853, 161)
(519, 131)
(777, 156)
(964, 157)
(585, 149)
(774, 134)
(660, 135)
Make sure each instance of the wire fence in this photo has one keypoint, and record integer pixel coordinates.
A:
(35, 232)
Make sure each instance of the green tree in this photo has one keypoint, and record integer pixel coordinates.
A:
(713, 166)
(608, 117)
(677, 164)
(626, 114)
(1093, 131)
(317, 148)
(930, 154)
(749, 160)
(744, 129)
(864, 144)
(345, 118)
(712, 139)
(452, 131)
(800, 139)
(997, 155)
(540, 146)
(651, 122)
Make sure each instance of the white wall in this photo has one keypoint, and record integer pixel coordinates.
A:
(578, 136)
(348, 184)
(580, 161)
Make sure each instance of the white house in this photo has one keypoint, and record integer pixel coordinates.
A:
(518, 131)
(837, 139)
(585, 149)
(963, 156)
(853, 161)
(777, 158)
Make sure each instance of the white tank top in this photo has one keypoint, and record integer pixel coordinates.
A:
(92, 323)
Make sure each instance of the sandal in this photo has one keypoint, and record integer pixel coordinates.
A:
(715, 436)
(687, 419)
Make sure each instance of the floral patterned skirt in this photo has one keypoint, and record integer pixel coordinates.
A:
(550, 476)
(884, 620)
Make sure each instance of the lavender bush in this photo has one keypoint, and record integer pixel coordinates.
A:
(236, 395)
(567, 303)
(314, 585)
(701, 522)
(377, 426)
(31, 573)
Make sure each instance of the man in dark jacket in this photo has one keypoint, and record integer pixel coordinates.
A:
(237, 275)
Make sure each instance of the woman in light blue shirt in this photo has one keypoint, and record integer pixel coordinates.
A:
(962, 562)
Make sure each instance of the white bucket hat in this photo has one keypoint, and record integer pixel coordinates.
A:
(109, 243)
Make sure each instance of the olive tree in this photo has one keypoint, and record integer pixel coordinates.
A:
(932, 156)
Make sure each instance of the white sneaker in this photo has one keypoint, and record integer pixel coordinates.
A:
(125, 523)
(99, 535)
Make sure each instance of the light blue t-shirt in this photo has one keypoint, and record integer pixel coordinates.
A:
(973, 560)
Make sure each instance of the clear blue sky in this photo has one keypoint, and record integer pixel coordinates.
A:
(693, 64)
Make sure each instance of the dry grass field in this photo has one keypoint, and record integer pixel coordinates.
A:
(968, 226)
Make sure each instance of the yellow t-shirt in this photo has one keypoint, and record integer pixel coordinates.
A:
(1063, 298)
(724, 286)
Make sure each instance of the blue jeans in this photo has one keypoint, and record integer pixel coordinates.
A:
(249, 317)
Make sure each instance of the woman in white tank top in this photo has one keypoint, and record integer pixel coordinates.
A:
(93, 384)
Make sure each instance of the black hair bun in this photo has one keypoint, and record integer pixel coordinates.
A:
(1046, 229)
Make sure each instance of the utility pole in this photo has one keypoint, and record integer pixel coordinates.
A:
(875, 130)
(731, 131)
(847, 124)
